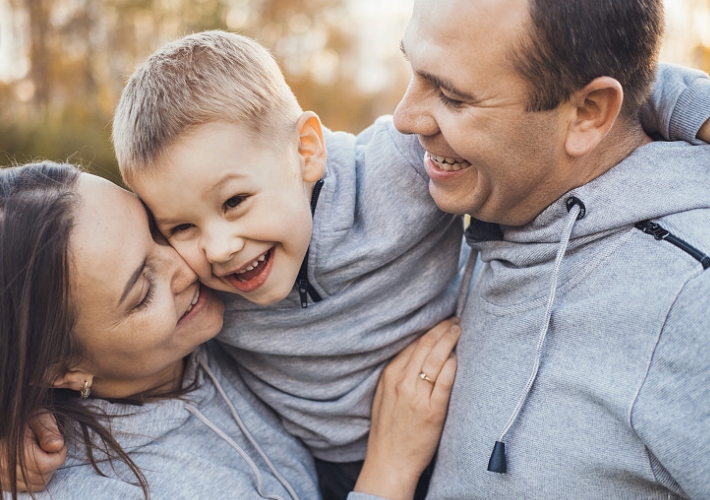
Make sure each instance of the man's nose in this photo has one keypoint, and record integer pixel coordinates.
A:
(413, 114)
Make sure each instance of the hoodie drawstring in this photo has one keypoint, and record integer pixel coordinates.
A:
(497, 462)
(247, 434)
(466, 281)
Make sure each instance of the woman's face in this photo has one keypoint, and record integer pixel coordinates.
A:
(140, 310)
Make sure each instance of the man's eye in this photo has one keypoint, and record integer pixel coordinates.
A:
(180, 228)
(234, 201)
(448, 101)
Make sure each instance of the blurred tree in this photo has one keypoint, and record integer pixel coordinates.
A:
(80, 53)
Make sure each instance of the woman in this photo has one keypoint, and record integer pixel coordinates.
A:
(101, 325)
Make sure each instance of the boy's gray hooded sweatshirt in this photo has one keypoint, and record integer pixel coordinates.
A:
(383, 258)
(195, 447)
(586, 345)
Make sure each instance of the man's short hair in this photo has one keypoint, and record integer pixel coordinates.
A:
(206, 77)
(569, 43)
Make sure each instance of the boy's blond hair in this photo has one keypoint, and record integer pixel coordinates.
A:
(206, 77)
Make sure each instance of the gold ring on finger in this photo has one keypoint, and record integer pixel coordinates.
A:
(425, 377)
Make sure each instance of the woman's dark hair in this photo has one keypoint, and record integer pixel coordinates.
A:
(37, 207)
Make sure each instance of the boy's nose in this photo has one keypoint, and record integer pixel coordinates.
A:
(222, 248)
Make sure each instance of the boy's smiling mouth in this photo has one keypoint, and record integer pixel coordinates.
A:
(252, 275)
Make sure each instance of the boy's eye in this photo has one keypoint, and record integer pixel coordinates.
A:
(234, 201)
(180, 228)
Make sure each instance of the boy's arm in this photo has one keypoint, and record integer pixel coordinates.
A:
(44, 452)
(678, 108)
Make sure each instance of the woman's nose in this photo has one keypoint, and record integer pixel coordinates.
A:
(181, 276)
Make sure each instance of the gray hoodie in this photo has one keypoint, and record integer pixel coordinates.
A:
(586, 345)
(195, 448)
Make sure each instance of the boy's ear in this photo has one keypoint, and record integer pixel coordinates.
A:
(73, 379)
(593, 111)
(311, 146)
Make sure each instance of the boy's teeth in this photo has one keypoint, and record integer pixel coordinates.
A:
(253, 265)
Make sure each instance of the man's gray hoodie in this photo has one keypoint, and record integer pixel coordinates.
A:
(586, 345)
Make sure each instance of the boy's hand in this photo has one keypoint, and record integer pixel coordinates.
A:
(44, 452)
(704, 132)
(408, 414)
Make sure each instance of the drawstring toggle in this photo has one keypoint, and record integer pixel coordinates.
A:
(497, 463)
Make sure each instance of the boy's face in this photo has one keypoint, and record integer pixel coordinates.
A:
(236, 208)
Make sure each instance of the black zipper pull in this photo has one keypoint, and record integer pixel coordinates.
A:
(302, 284)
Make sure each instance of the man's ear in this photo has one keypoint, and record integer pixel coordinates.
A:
(593, 112)
(311, 146)
(74, 379)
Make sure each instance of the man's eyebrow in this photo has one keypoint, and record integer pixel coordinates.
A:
(132, 281)
(448, 86)
(458, 94)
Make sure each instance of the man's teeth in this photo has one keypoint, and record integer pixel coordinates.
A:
(253, 265)
(449, 164)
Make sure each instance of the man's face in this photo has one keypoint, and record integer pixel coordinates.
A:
(235, 208)
(486, 156)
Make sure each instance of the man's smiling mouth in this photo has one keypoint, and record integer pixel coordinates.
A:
(448, 164)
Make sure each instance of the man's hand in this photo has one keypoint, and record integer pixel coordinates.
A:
(704, 132)
(44, 453)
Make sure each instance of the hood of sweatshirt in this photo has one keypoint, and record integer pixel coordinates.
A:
(653, 182)
(530, 264)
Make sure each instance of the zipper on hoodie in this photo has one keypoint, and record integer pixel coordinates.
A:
(660, 233)
(304, 287)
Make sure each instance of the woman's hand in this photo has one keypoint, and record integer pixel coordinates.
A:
(44, 453)
(408, 414)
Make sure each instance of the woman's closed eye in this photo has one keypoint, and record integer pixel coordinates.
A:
(147, 296)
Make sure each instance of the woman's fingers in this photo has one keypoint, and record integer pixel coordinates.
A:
(435, 356)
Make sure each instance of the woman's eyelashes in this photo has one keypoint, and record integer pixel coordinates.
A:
(148, 295)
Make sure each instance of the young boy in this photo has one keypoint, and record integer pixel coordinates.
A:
(256, 196)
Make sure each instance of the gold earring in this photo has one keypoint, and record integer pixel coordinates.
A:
(85, 390)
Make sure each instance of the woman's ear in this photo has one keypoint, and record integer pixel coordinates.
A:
(75, 379)
(593, 112)
(311, 146)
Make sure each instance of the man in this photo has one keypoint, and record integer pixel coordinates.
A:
(584, 357)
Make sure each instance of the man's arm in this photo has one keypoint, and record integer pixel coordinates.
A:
(704, 132)
(678, 108)
(672, 411)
